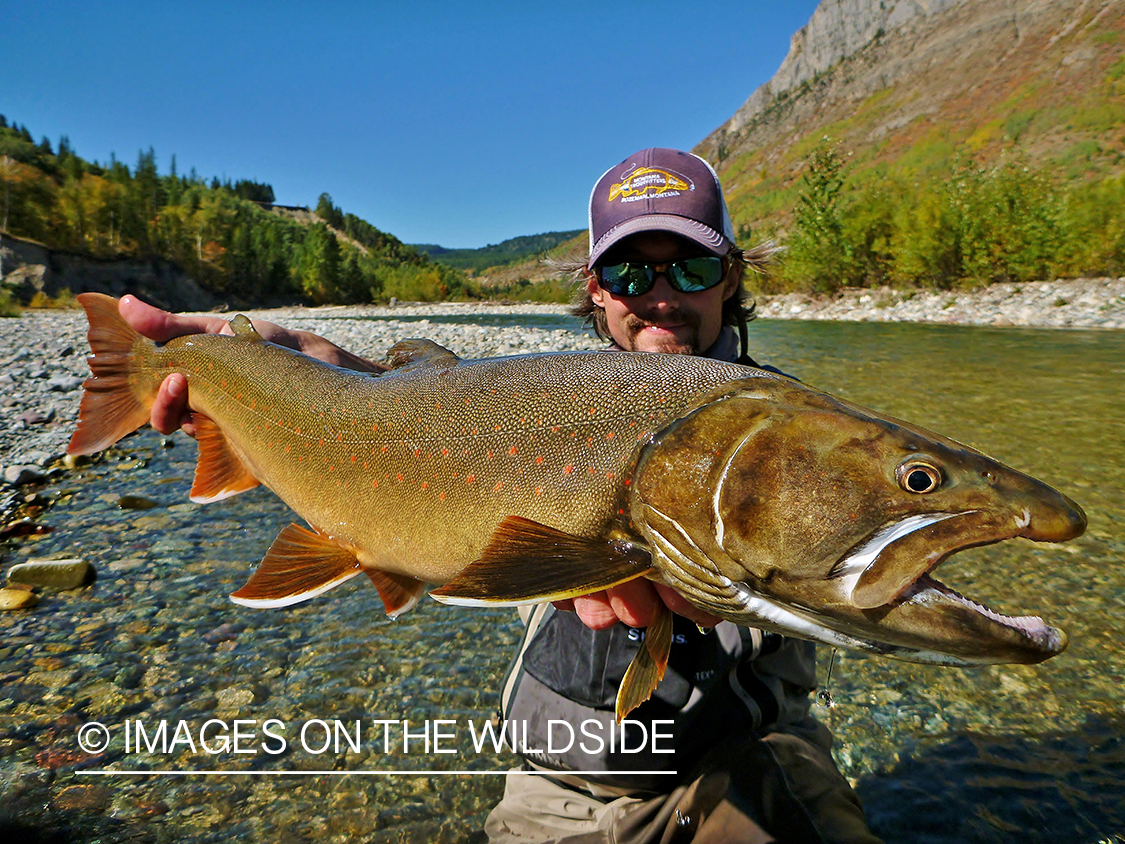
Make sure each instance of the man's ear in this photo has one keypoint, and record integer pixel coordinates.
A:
(731, 282)
(594, 289)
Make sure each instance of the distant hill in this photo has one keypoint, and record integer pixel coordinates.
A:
(512, 251)
(932, 122)
(228, 237)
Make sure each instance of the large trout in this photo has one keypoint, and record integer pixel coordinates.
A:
(540, 477)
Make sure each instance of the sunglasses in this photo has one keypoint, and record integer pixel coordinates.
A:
(634, 278)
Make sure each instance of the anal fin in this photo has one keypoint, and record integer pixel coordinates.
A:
(648, 666)
(300, 565)
(219, 472)
(527, 562)
(398, 591)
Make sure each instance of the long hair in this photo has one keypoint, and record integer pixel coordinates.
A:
(738, 310)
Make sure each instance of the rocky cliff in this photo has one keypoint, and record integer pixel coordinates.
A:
(916, 80)
(27, 268)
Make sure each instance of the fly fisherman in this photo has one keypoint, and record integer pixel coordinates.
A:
(751, 765)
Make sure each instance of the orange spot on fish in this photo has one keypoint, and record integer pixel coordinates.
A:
(322, 441)
(445, 452)
(286, 449)
(609, 436)
(442, 496)
(538, 460)
(223, 383)
(339, 437)
(609, 475)
(297, 429)
(398, 476)
(374, 482)
(499, 485)
(591, 470)
(417, 452)
(374, 427)
(353, 458)
(470, 479)
(538, 490)
(628, 482)
(425, 485)
(513, 450)
(568, 468)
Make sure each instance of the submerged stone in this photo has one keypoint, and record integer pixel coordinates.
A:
(17, 599)
(53, 574)
(135, 502)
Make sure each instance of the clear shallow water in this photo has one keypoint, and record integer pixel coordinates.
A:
(937, 754)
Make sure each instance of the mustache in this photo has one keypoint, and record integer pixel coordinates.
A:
(636, 322)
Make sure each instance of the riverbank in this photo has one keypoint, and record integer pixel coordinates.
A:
(41, 376)
(1074, 303)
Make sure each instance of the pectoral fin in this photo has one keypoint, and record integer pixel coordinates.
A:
(300, 565)
(219, 472)
(527, 562)
(647, 668)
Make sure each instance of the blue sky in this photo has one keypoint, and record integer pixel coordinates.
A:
(453, 123)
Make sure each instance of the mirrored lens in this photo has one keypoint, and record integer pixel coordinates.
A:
(696, 274)
(688, 276)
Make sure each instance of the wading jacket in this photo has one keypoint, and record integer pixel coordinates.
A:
(557, 702)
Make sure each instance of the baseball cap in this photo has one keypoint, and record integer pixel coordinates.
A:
(659, 190)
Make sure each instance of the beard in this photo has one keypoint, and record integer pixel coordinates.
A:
(686, 343)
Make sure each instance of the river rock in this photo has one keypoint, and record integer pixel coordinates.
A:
(53, 574)
(17, 599)
(22, 474)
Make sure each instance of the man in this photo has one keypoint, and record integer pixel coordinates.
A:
(750, 764)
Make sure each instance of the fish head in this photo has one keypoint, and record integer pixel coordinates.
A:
(779, 506)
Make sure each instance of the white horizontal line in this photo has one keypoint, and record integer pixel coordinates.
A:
(110, 773)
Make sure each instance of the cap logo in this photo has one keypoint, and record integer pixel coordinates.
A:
(649, 181)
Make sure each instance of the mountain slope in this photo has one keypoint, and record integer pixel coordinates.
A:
(907, 86)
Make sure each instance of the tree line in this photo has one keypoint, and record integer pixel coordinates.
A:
(968, 225)
(223, 234)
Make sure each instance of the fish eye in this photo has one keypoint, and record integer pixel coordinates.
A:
(918, 477)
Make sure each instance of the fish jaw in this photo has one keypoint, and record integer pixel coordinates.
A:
(808, 528)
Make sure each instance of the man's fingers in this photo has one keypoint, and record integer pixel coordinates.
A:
(169, 411)
(595, 611)
(680, 605)
(162, 326)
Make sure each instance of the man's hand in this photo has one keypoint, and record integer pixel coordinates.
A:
(633, 603)
(170, 410)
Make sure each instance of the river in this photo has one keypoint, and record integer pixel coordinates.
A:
(1034, 753)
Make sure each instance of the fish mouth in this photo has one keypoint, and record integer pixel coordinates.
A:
(888, 576)
(1038, 635)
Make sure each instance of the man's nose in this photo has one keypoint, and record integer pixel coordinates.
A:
(662, 292)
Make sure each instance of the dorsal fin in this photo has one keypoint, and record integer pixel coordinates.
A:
(244, 328)
(219, 472)
(526, 562)
(414, 354)
(300, 565)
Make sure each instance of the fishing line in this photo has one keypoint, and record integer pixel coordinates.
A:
(824, 696)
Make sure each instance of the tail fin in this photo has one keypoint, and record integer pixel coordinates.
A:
(113, 402)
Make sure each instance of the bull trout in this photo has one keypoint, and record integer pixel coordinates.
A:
(542, 477)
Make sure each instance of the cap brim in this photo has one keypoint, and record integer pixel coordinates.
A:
(711, 240)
